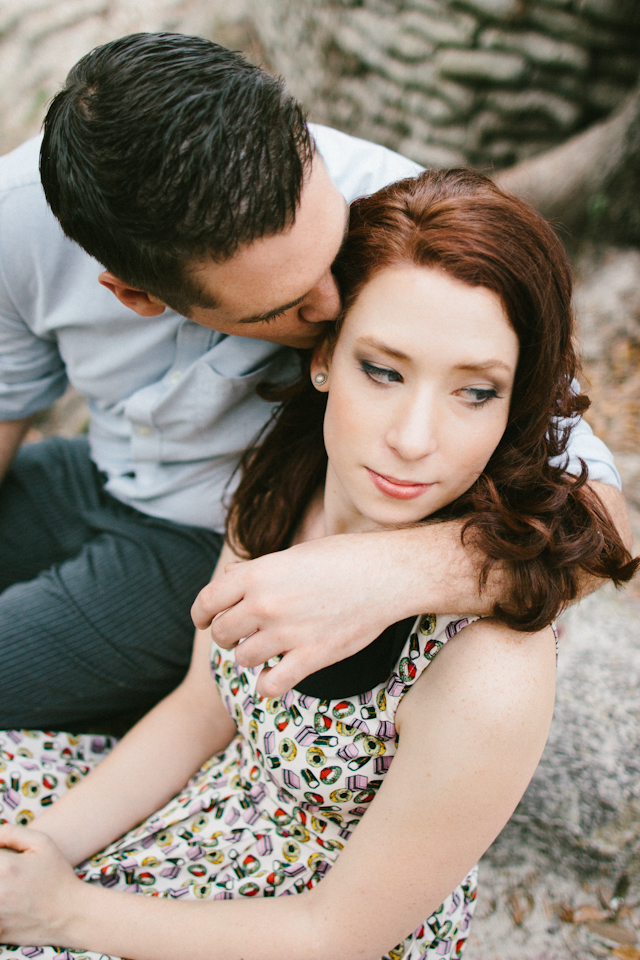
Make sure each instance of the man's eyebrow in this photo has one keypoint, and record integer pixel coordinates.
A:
(272, 313)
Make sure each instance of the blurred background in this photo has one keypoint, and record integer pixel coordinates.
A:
(543, 94)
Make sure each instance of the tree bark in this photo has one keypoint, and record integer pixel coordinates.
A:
(590, 185)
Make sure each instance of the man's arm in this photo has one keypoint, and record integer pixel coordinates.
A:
(321, 601)
(11, 434)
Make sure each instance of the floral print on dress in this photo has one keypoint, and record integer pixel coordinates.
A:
(269, 815)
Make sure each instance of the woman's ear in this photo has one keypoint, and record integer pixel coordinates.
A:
(320, 366)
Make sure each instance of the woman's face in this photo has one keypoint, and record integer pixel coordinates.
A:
(419, 387)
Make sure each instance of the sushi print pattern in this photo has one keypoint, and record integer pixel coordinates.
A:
(268, 816)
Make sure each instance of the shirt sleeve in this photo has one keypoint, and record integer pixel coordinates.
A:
(359, 167)
(584, 445)
(32, 373)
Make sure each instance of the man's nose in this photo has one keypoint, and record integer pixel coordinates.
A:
(323, 302)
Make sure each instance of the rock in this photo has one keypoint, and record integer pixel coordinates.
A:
(537, 48)
(449, 28)
(40, 40)
(607, 302)
(623, 12)
(498, 9)
(568, 26)
(556, 48)
(433, 109)
(560, 112)
(481, 66)
(578, 825)
(430, 154)
(410, 46)
(462, 98)
(628, 465)
(604, 95)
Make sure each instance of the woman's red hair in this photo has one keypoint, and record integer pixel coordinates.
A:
(545, 526)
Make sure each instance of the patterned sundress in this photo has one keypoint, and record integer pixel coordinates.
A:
(266, 817)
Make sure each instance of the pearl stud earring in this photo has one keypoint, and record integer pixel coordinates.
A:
(320, 378)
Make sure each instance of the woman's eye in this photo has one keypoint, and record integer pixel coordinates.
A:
(380, 374)
(478, 395)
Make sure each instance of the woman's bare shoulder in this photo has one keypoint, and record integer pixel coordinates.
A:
(490, 674)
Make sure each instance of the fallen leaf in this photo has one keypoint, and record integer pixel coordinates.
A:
(605, 893)
(520, 905)
(587, 912)
(565, 913)
(613, 931)
(626, 953)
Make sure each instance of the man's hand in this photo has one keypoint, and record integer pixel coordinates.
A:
(315, 603)
(324, 600)
(11, 434)
(37, 888)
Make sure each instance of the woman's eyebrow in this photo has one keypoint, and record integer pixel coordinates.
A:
(485, 365)
(385, 348)
(471, 366)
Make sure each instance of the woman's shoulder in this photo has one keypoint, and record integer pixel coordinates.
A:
(486, 670)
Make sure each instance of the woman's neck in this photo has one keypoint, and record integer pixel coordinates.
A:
(329, 513)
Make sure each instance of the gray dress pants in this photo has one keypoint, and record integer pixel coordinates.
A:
(94, 595)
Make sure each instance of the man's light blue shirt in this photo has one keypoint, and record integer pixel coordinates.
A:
(172, 403)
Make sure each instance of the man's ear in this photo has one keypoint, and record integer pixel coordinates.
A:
(140, 302)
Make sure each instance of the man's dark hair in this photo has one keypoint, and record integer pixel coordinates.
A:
(163, 149)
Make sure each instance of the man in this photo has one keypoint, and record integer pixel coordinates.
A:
(193, 178)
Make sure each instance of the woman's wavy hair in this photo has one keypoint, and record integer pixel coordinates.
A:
(544, 526)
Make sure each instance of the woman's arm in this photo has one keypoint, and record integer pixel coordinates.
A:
(366, 580)
(486, 704)
(147, 767)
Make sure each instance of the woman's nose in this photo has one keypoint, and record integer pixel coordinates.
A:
(413, 435)
(323, 302)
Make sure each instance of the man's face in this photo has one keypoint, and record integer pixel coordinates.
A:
(281, 288)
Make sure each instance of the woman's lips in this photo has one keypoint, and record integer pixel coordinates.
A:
(398, 489)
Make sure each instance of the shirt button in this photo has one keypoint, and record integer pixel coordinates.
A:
(144, 431)
(175, 376)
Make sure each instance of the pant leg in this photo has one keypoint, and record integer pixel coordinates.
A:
(106, 631)
(43, 498)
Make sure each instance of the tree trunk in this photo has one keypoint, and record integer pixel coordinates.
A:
(589, 185)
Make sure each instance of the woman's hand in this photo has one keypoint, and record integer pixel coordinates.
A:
(37, 887)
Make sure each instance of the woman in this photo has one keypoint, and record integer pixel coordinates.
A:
(438, 396)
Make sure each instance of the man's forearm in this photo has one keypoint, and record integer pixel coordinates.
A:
(614, 501)
(321, 601)
(11, 434)
(437, 573)
(444, 574)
